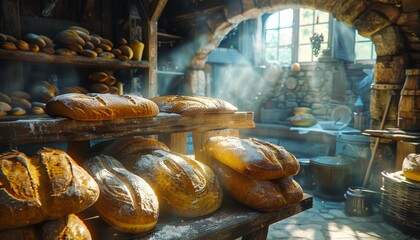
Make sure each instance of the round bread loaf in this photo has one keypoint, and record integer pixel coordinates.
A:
(97, 106)
(49, 185)
(192, 104)
(126, 201)
(411, 167)
(253, 157)
(68, 227)
(184, 186)
(262, 195)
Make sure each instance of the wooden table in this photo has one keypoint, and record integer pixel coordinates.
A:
(231, 221)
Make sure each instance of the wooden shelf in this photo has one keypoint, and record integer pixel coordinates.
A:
(231, 221)
(170, 73)
(45, 130)
(394, 134)
(74, 61)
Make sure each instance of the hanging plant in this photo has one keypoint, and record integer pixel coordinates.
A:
(316, 41)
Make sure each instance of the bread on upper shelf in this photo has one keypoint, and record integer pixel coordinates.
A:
(97, 106)
(193, 104)
(49, 185)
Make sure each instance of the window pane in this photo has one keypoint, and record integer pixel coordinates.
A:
(304, 34)
(285, 55)
(323, 17)
(363, 50)
(360, 38)
(271, 54)
(271, 37)
(306, 16)
(286, 35)
(322, 28)
(286, 18)
(305, 53)
(272, 21)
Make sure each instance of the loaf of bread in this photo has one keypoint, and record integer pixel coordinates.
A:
(97, 106)
(126, 201)
(411, 167)
(262, 195)
(253, 157)
(68, 227)
(49, 185)
(193, 104)
(128, 148)
(184, 186)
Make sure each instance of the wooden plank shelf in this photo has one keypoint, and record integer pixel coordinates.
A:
(394, 134)
(74, 61)
(45, 130)
(231, 221)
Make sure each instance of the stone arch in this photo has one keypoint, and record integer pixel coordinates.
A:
(378, 20)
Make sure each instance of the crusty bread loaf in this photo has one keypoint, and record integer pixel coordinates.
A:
(126, 202)
(253, 157)
(49, 185)
(184, 186)
(262, 195)
(411, 167)
(68, 227)
(193, 104)
(128, 148)
(97, 106)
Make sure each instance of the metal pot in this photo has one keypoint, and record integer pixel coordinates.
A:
(358, 202)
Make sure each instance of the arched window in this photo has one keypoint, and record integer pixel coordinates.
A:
(287, 36)
(288, 32)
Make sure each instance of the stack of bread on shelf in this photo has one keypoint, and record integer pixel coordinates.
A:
(255, 172)
(129, 182)
(72, 41)
(46, 189)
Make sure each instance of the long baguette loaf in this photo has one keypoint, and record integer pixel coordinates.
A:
(193, 104)
(97, 106)
(253, 157)
(49, 185)
(126, 202)
(262, 195)
(184, 186)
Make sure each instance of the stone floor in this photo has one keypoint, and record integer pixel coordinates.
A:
(327, 220)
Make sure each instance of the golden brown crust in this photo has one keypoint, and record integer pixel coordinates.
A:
(49, 185)
(68, 227)
(411, 167)
(96, 106)
(262, 195)
(185, 187)
(193, 104)
(129, 148)
(126, 202)
(253, 157)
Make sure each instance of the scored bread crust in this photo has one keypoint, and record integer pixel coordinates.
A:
(193, 104)
(262, 195)
(253, 157)
(68, 227)
(100, 106)
(411, 167)
(185, 187)
(49, 185)
(126, 202)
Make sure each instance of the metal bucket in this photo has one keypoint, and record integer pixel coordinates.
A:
(358, 202)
